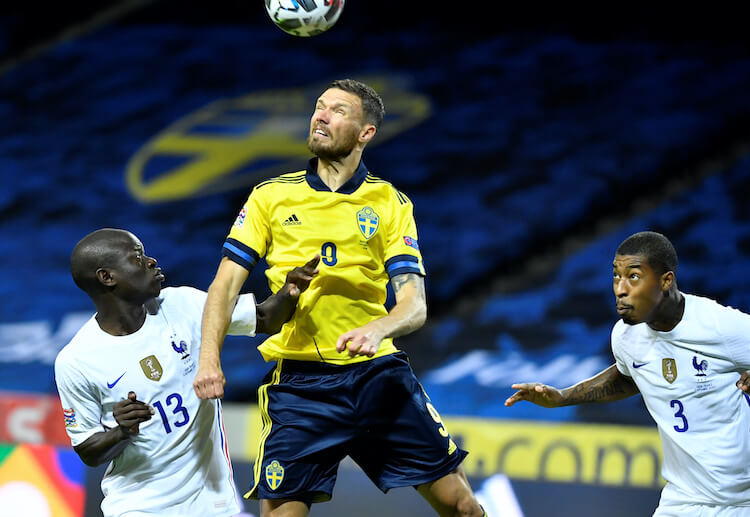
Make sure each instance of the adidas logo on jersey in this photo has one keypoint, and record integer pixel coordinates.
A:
(292, 219)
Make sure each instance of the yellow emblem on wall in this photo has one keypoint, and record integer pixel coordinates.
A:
(236, 143)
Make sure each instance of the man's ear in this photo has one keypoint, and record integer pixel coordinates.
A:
(367, 133)
(105, 277)
(666, 280)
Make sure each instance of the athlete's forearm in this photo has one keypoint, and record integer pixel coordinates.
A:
(217, 315)
(606, 386)
(103, 447)
(223, 294)
(410, 310)
(403, 319)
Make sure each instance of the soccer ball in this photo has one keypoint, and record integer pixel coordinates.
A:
(304, 17)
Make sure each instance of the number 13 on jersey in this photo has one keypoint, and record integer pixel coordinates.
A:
(180, 412)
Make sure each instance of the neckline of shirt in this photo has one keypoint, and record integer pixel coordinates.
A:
(147, 322)
(685, 316)
(316, 183)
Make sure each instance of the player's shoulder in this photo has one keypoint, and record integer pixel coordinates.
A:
(702, 302)
(723, 319)
(281, 181)
(617, 330)
(701, 305)
(622, 331)
(80, 344)
(387, 188)
(181, 298)
(180, 291)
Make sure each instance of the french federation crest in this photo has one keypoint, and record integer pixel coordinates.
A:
(701, 367)
(669, 369)
(368, 222)
(703, 379)
(274, 474)
(182, 348)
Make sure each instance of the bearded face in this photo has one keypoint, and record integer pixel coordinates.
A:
(332, 147)
(335, 125)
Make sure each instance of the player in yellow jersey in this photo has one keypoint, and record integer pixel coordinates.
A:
(339, 387)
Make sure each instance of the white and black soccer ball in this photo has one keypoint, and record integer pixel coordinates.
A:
(304, 17)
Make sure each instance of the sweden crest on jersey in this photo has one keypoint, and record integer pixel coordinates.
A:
(368, 222)
(274, 474)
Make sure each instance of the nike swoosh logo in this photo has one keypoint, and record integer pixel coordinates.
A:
(639, 365)
(110, 386)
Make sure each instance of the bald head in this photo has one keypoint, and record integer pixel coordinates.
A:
(99, 249)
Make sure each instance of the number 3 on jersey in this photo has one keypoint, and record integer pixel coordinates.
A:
(328, 254)
(679, 414)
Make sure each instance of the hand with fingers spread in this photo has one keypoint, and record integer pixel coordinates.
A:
(744, 383)
(278, 308)
(129, 413)
(364, 340)
(299, 278)
(536, 393)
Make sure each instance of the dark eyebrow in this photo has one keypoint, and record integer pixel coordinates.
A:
(334, 105)
(631, 266)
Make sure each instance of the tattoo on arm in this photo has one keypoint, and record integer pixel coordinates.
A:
(410, 310)
(607, 386)
(400, 281)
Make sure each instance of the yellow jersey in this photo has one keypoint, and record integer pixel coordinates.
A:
(365, 234)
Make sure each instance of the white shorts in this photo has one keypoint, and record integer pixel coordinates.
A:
(700, 510)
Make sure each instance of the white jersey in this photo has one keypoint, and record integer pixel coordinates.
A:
(687, 378)
(178, 464)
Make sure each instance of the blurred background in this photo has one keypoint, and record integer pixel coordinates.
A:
(531, 141)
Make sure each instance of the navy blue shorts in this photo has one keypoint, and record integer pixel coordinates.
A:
(315, 414)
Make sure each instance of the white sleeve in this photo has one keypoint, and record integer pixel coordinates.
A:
(736, 332)
(190, 303)
(244, 317)
(616, 339)
(82, 410)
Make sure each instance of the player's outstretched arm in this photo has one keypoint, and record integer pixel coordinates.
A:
(407, 315)
(276, 310)
(606, 386)
(105, 446)
(217, 314)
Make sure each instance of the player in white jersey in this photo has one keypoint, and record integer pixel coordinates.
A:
(687, 356)
(126, 381)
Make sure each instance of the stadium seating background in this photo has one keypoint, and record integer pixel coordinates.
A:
(546, 139)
